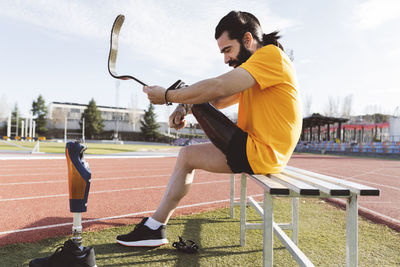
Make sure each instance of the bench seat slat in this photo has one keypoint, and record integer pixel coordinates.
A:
(354, 187)
(326, 187)
(298, 186)
(271, 186)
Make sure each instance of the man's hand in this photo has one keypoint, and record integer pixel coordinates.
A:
(156, 94)
(176, 119)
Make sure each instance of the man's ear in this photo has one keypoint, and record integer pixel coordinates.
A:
(247, 39)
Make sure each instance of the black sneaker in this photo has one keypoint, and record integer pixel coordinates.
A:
(143, 236)
(69, 255)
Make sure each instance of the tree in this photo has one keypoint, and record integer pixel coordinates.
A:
(15, 114)
(307, 103)
(15, 120)
(93, 120)
(4, 109)
(39, 110)
(375, 118)
(332, 108)
(291, 54)
(373, 109)
(149, 126)
(347, 105)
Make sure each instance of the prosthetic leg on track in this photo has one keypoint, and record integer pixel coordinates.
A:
(73, 254)
(79, 176)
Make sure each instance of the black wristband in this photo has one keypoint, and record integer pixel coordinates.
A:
(165, 97)
(172, 87)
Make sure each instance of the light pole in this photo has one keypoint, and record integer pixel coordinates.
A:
(65, 129)
(34, 129)
(9, 126)
(83, 129)
(26, 128)
(22, 128)
(117, 84)
(30, 127)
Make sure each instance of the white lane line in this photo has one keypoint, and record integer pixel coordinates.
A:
(88, 157)
(389, 175)
(37, 167)
(361, 181)
(375, 171)
(380, 214)
(106, 191)
(376, 184)
(35, 174)
(49, 173)
(115, 217)
(372, 211)
(380, 202)
(36, 197)
(95, 179)
(33, 168)
(365, 173)
(42, 182)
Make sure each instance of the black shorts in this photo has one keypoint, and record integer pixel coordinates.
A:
(237, 155)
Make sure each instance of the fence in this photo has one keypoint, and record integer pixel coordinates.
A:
(369, 148)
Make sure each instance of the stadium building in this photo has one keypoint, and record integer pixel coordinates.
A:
(115, 118)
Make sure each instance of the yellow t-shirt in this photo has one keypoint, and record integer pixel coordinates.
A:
(270, 111)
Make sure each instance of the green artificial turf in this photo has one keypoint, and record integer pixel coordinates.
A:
(321, 237)
(93, 148)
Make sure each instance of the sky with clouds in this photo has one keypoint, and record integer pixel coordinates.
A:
(59, 49)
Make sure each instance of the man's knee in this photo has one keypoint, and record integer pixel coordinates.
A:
(184, 156)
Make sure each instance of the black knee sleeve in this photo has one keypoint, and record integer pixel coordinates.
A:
(215, 124)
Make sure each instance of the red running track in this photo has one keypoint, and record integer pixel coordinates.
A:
(34, 193)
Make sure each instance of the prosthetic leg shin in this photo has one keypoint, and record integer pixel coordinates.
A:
(215, 124)
(79, 184)
(72, 253)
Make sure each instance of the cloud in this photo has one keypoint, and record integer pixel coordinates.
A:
(181, 37)
(67, 17)
(305, 61)
(178, 37)
(374, 13)
(394, 54)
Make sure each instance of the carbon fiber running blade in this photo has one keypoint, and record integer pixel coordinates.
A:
(112, 57)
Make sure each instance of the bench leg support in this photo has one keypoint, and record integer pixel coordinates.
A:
(243, 202)
(295, 220)
(297, 254)
(352, 231)
(268, 234)
(232, 197)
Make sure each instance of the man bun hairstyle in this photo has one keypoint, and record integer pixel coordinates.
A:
(237, 23)
(272, 38)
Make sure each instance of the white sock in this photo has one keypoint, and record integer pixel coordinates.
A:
(152, 224)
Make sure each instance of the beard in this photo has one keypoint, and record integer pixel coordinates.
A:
(242, 56)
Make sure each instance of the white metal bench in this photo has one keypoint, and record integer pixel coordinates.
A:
(295, 183)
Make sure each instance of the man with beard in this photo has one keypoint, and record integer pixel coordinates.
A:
(263, 82)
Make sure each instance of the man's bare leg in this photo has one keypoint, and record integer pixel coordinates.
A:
(190, 158)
